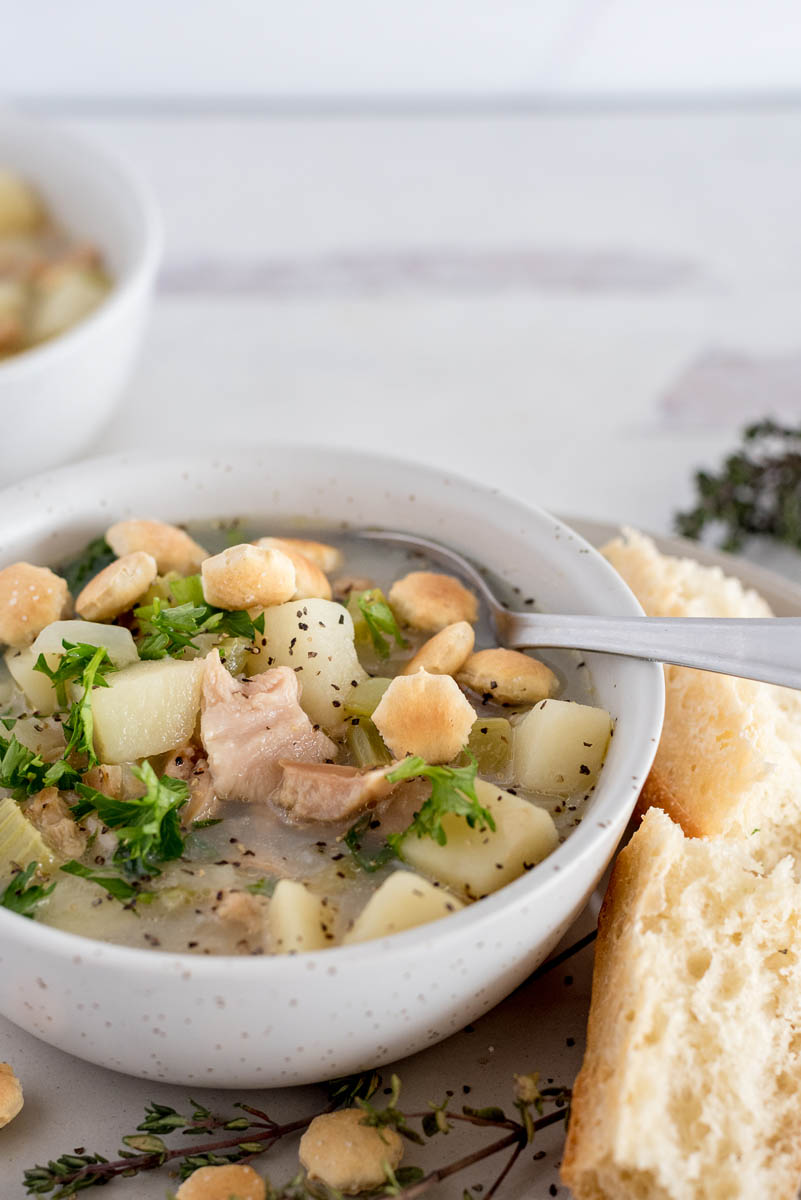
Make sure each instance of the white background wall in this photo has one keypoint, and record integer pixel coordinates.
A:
(289, 50)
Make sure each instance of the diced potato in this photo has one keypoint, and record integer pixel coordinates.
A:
(314, 638)
(560, 747)
(403, 901)
(39, 691)
(297, 918)
(118, 641)
(477, 861)
(147, 709)
(43, 735)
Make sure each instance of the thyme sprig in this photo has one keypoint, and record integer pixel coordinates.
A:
(255, 1132)
(756, 491)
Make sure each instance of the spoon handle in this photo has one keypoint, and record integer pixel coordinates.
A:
(767, 649)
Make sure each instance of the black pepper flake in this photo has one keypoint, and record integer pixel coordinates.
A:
(302, 625)
(338, 704)
(312, 654)
(337, 857)
(570, 1041)
(466, 1089)
(553, 1190)
(584, 769)
(342, 619)
(539, 1155)
(568, 980)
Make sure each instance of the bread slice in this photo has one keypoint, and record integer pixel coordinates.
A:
(690, 1084)
(729, 760)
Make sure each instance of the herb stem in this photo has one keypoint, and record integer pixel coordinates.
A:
(461, 1164)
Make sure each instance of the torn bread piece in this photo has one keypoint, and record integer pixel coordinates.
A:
(689, 1088)
(729, 758)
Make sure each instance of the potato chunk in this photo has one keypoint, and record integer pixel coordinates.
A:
(478, 861)
(403, 901)
(426, 715)
(147, 709)
(559, 746)
(118, 641)
(314, 638)
(297, 919)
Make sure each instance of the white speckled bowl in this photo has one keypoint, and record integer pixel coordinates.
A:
(248, 1022)
(55, 397)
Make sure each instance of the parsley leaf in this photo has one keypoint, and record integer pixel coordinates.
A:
(353, 840)
(22, 896)
(77, 659)
(116, 887)
(148, 827)
(262, 887)
(453, 790)
(79, 725)
(380, 619)
(92, 559)
(24, 772)
(169, 629)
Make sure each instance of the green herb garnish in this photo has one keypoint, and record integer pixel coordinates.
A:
(97, 555)
(263, 887)
(170, 629)
(354, 841)
(113, 884)
(453, 790)
(89, 664)
(79, 726)
(756, 491)
(24, 772)
(148, 827)
(22, 896)
(379, 619)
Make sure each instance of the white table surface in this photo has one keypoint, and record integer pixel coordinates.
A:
(583, 306)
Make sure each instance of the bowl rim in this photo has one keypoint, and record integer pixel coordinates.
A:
(146, 253)
(570, 854)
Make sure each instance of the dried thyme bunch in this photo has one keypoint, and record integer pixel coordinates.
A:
(242, 1138)
(757, 490)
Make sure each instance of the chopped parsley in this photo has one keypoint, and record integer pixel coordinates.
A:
(24, 772)
(453, 790)
(89, 664)
(79, 726)
(148, 827)
(21, 896)
(379, 619)
(113, 884)
(171, 628)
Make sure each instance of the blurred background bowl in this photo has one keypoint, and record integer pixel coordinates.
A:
(55, 397)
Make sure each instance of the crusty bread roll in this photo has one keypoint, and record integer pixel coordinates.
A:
(729, 760)
(690, 1084)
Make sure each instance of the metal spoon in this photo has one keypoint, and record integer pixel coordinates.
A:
(767, 649)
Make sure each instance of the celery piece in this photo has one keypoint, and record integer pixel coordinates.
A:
(365, 743)
(234, 653)
(364, 698)
(490, 742)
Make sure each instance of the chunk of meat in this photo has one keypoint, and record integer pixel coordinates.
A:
(249, 726)
(323, 792)
(106, 778)
(187, 763)
(50, 813)
(243, 909)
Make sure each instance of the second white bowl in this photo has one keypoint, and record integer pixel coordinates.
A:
(55, 397)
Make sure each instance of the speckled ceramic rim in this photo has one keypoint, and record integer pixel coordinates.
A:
(611, 809)
(145, 251)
